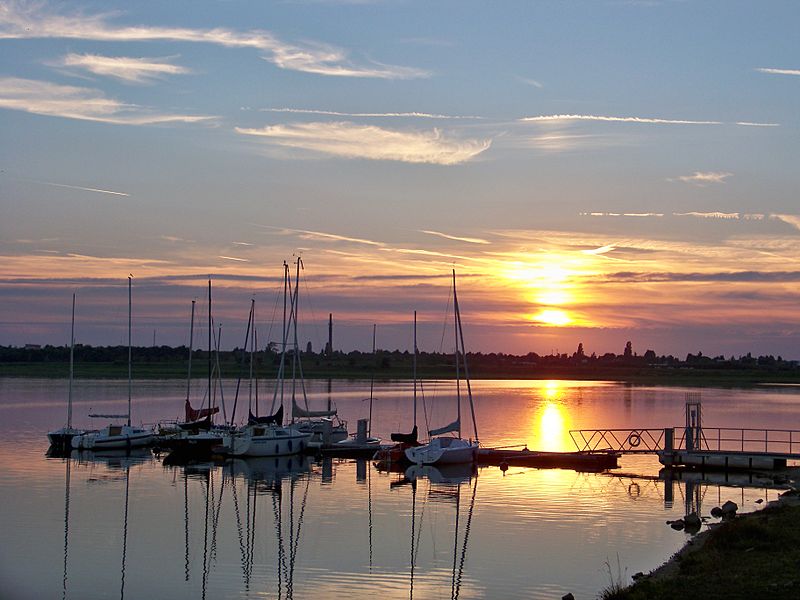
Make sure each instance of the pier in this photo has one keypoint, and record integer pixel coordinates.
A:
(694, 445)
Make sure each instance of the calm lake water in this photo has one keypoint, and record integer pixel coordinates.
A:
(106, 526)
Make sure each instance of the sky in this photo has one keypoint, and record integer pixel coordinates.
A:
(595, 171)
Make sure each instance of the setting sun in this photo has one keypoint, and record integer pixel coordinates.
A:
(552, 316)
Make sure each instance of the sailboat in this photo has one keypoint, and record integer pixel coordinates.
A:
(268, 436)
(124, 436)
(61, 439)
(450, 449)
(196, 435)
(396, 455)
(324, 426)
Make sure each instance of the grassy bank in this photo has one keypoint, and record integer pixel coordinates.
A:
(756, 555)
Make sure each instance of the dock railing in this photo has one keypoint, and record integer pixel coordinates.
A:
(629, 441)
(776, 442)
(753, 441)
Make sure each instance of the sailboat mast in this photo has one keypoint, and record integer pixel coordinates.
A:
(371, 381)
(466, 367)
(250, 387)
(414, 362)
(281, 368)
(191, 348)
(130, 374)
(210, 346)
(71, 363)
(458, 358)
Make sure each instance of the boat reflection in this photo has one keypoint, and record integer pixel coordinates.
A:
(444, 486)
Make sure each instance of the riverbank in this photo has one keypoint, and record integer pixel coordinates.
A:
(755, 555)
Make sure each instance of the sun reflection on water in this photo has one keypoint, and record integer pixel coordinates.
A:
(552, 420)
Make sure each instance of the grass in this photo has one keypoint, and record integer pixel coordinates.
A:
(754, 556)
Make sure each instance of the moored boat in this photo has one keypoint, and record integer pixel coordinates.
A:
(61, 439)
(116, 436)
(451, 450)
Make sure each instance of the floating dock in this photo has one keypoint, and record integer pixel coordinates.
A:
(578, 461)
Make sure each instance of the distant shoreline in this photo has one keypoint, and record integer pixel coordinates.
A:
(679, 376)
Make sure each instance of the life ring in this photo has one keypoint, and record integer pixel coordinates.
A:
(634, 440)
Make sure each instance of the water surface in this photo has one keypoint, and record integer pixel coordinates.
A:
(106, 526)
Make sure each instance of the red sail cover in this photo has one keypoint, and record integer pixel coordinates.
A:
(196, 415)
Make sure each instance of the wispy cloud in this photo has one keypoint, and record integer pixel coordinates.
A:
(350, 140)
(528, 81)
(793, 220)
(45, 98)
(598, 251)
(417, 115)
(779, 71)
(22, 20)
(78, 187)
(469, 240)
(646, 120)
(233, 258)
(125, 68)
(704, 177)
(321, 235)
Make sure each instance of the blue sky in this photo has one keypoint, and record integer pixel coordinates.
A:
(596, 171)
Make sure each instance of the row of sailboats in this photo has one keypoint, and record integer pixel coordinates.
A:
(267, 435)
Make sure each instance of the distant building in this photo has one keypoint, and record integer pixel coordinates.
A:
(33, 346)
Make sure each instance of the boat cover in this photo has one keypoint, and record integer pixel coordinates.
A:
(197, 414)
(406, 438)
(454, 426)
(300, 412)
(276, 419)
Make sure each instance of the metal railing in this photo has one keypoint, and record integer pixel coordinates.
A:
(784, 442)
(629, 441)
(777, 442)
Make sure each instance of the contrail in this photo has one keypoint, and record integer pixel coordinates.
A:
(77, 187)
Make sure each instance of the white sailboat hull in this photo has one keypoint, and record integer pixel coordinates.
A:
(266, 441)
(113, 437)
(443, 451)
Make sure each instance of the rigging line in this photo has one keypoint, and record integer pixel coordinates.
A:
(274, 314)
(315, 325)
(466, 366)
(296, 304)
(219, 377)
(251, 319)
(281, 368)
(241, 370)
